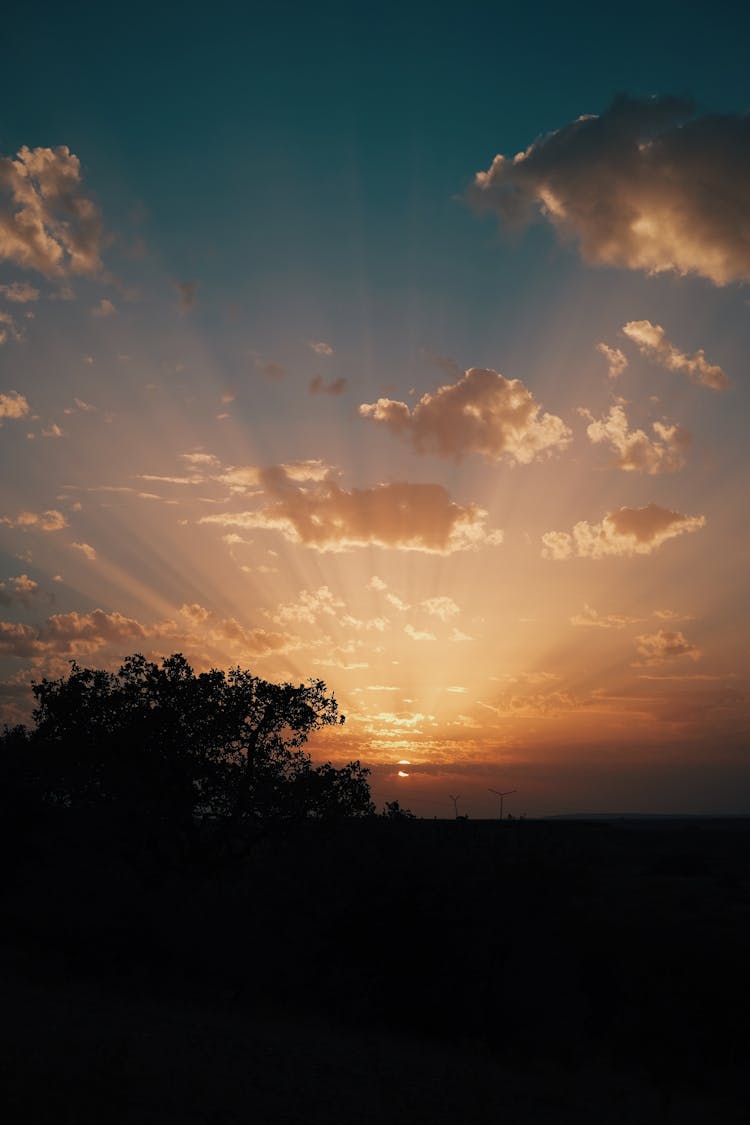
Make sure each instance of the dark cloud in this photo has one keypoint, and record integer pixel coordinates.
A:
(646, 185)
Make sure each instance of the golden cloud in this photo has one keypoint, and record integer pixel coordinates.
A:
(651, 340)
(625, 532)
(46, 224)
(483, 412)
(321, 515)
(635, 450)
(13, 405)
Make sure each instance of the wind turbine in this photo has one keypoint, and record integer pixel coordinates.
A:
(497, 793)
(455, 803)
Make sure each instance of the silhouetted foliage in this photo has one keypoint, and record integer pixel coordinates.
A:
(174, 748)
(393, 811)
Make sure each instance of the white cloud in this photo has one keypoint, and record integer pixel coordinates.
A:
(651, 340)
(641, 186)
(320, 347)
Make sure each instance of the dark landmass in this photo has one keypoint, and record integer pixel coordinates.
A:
(378, 970)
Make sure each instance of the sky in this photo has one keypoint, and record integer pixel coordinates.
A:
(401, 346)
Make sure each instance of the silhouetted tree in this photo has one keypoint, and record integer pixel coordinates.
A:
(175, 748)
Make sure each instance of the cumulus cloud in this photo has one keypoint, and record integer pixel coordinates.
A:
(664, 645)
(19, 292)
(590, 618)
(651, 340)
(635, 450)
(318, 386)
(51, 520)
(46, 223)
(645, 185)
(625, 532)
(13, 405)
(617, 361)
(320, 514)
(483, 412)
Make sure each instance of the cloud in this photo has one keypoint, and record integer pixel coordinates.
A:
(320, 347)
(635, 451)
(322, 515)
(309, 606)
(664, 645)
(589, 618)
(625, 532)
(53, 431)
(483, 412)
(46, 224)
(617, 361)
(641, 186)
(249, 478)
(11, 328)
(21, 588)
(440, 606)
(187, 293)
(19, 292)
(51, 520)
(319, 387)
(13, 405)
(86, 549)
(271, 370)
(80, 634)
(419, 634)
(651, 340)
(103, 308)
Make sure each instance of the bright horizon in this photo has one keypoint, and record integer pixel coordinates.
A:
(332, 347)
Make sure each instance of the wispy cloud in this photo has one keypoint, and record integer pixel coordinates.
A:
(651, 340)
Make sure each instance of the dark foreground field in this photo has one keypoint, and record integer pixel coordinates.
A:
(398, 972)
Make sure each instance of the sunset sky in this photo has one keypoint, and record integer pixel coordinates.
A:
(400, 346)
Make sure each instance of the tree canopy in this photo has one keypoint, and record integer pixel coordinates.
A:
(173, 746)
